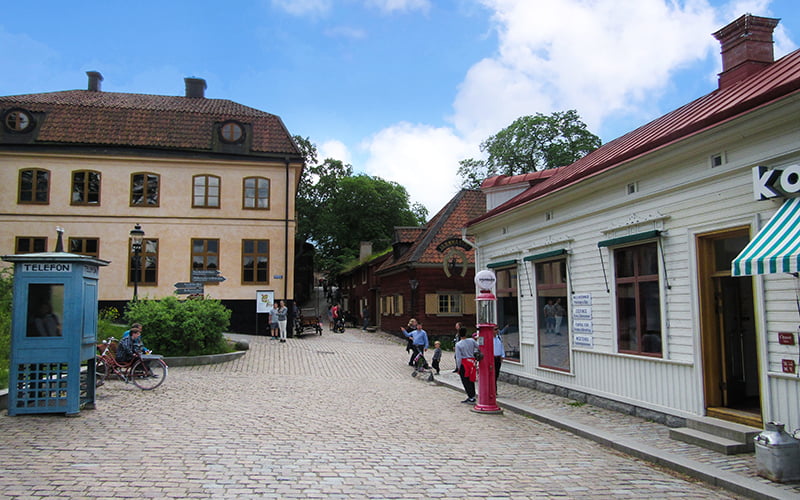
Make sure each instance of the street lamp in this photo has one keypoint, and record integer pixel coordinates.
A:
(487, 312)
(137, 236)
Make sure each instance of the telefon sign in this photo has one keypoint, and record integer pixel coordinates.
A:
(776, 182)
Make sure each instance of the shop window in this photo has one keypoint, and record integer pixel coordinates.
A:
(144, 189)
(30, 244)
(255, 261)
(553, 324)
(508, 310)
(205, 191)
(34, 186)
(144, 271)
(256, 193)
(85, 187)
(85, 246)
(638, 299)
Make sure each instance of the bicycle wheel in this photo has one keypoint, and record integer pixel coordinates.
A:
(148, 374)
(100, 371)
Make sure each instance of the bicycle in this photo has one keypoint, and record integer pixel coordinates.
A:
(146, 371)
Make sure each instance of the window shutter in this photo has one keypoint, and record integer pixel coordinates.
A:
(431, 303)
(468, 303)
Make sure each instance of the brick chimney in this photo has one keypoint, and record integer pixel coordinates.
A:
(195, 87)
(94, 80)
(746, 47)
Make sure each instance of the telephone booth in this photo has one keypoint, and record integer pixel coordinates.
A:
(53, 333)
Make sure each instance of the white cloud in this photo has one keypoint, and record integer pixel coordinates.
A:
(389, 6)
(422, 158)
(334, 149)
(576, 54)
(304, 7)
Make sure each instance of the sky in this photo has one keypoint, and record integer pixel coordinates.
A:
(400, 89)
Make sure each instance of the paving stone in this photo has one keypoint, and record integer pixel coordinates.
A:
(331, 416)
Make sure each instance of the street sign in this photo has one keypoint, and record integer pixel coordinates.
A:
(211, 272)
(206, 279)
(188, 288)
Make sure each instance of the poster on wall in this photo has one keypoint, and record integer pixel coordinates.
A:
(264, 300)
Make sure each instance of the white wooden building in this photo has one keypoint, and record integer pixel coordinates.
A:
(615, 273)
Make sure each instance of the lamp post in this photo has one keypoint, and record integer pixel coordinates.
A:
(137, 236)
(487, 312)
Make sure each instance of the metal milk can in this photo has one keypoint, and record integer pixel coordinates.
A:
(777, 454)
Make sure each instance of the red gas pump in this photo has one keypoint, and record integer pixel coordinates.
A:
(487, 310)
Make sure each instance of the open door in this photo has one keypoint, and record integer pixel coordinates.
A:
(727, 331)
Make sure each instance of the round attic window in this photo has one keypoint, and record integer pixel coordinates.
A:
(18, 120)
(231, 132)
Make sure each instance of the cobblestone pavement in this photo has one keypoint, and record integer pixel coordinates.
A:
(331, 416)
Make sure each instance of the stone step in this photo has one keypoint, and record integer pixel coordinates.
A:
(710, 441)
(722, 428)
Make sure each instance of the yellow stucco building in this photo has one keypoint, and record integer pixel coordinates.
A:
(211, 182)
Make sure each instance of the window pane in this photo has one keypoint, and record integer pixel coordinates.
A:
(649, 259)
(626, 317)
(624, 262)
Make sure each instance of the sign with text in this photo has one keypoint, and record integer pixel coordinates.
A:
(582, 326)
(582, 312)
(582, 299)
(774, 183)
(582, 340)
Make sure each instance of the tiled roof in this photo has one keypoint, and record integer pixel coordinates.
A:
(776, 81)
(446, 224)
(84, 117)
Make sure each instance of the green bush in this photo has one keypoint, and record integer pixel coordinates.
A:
(6, 289)
(172, 327)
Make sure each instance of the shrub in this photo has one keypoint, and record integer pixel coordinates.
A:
(6, 291)
(172, 327)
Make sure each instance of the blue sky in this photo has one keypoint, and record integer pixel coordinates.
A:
(401, 89)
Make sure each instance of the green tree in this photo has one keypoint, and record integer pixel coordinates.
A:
(6, 292)
(531, 143)
(336, 210)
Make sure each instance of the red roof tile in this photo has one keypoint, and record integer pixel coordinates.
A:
(446, 224)
(83, 117)
(776, 81)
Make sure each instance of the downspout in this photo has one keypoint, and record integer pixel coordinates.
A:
(286, 236)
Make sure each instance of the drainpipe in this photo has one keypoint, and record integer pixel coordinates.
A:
(286, 236)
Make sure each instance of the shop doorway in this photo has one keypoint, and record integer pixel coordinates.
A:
(727, 330)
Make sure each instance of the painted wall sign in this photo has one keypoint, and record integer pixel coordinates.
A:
(786, 338)
(452, 242)
(582, 299)
(583, 340)
(44, 267)
(776, 182)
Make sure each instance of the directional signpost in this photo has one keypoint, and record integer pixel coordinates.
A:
(207, 276)
(185, 288)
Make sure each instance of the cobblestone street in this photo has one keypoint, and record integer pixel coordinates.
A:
(334, 416)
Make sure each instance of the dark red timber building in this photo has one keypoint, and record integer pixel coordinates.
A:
(429, 273)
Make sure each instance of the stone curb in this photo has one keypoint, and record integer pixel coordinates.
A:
(209, 359)
(732, 482)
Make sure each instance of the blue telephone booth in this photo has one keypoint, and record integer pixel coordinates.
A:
(53, 333)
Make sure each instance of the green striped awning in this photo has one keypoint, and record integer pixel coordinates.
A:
(776, 247)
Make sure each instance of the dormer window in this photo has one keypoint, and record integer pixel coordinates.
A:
(231, 132)
(18, 120)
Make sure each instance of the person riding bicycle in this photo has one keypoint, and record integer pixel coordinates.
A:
(130, 345)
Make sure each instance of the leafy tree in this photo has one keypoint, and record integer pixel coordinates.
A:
(336, 210)
(6, 292)
(531, 143)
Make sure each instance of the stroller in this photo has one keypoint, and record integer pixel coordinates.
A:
(421, 366)
(338, 324)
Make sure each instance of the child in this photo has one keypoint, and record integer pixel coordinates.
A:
(437, 355)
